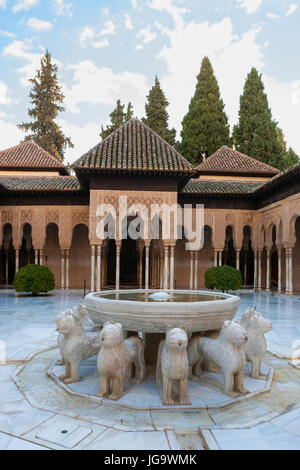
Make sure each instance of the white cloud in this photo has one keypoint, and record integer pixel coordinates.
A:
(109, 28)
(24, 5)
(139, 47)
(39, 25)
(4, 94)
(95, 85)
(134, 4)
(83, 138)
(128, 22)
(251, 6)
(3, 4)
(22, 51)
(86, 34)
(168, 6)
(99, 44)
(10, 134)
(63, 8)
(273, 16)
(293, 7)
(7, 34)
(147, 35)
(232, 57)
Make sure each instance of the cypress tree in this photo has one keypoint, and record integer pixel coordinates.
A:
(118, 117)
(289, 156)
(157, 116)
(256, 133)
(205, 127)
(47, 99)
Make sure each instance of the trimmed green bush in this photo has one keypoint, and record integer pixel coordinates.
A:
(35, 279)
(223, 278)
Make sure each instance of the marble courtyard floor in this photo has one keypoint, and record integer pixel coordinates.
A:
(35, 412)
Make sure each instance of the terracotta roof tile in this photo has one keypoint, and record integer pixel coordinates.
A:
(29, 155)
(220, 187)
(231, 162)
(134, 147)
(40, 183)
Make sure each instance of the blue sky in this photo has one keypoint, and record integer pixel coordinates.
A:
(110, 49)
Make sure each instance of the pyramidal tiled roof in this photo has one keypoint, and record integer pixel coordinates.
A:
(209, 187)
(39, 183)
(29, 156)
(134, 147)
(231, 162)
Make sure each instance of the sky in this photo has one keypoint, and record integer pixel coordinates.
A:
(111, 49)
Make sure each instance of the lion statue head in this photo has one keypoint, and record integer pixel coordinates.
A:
(234, 332)
(111, 335)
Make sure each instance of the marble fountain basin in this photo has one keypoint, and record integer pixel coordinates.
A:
(136, 310)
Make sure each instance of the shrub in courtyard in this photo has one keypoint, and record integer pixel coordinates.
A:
(35, 279)
(223, 278)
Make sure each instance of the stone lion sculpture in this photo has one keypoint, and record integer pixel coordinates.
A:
(74, 343)
(255, 348)
(172, 365)
(115, 358)
(225, 352)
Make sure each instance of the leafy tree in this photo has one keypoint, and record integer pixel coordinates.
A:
(157, 116)
(118, 117)
(205, 127)
(289, 156)
(47, 99)
(257, 134)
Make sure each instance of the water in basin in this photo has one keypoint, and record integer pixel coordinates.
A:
(146, 297)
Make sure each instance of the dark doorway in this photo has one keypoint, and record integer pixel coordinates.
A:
(129, 263)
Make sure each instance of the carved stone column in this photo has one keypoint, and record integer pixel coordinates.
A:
(255, 270)
(191, 270)
(290, 286)
(67, 269)
(99, 267)
(259, 271)
(41, 257)
(196, 271)
(166, 268)
(36, 256)
(268, 270)
(93, 268)
(287, 271)
(118, 254)
(147, 251)
(172, 265)
(279, 270)
(220, 258)
(216, 258)
(238, 253)
(17, 260)
(62, 269)
(161, 268)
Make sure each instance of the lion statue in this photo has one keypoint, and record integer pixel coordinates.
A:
(115, 358)
(255, 348)
(172, 365)
(74, 343)
(225, 352)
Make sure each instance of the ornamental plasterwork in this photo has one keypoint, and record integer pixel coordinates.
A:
(81, 217)
(6, 217)
(52, 217)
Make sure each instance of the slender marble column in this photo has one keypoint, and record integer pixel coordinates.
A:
(255, 270)
(36, 256)
(196, 271)
(268, 270)
(147, 250)
(279, 270)
(238, 252)
(99, 262)
(62, 269)
(287, 271)
(166, 268)
(291, 287)
(67, 269)
(41, 257)
(118, 253)
(172, 267)
(216, 258)
(259, 271)
(141, 267)
(220, 258)
(191, 270)
(17, 260)
(161, 268)
(93, 268)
